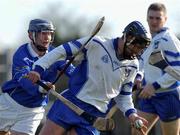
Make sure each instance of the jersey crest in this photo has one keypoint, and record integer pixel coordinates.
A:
(105, 58)
(156, 44)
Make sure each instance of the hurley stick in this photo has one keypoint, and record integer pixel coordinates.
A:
(157, 59)
(101, 124)
(94, 32)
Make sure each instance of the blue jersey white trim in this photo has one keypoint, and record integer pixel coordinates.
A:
(20, 88)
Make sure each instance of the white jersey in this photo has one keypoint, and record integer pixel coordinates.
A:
(101, 76)
(168, 43)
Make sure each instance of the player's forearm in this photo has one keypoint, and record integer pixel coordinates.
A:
(30, 88)
(48, 59)
(164, 82)
(125, 104)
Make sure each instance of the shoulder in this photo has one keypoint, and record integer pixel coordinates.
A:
(22, 55)
(104, 42)
(22, 50)
(100, 39)
(165, 40)
(51, 47)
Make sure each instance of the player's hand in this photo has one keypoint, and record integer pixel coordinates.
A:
(50, 85)
(33, 76)
(138, 123)
(138, 84)
(147, 92)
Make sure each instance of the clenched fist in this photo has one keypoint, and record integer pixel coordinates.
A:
(33, 76)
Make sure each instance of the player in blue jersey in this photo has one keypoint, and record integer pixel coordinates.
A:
(159, 98)
(107, 70)
(21, 102)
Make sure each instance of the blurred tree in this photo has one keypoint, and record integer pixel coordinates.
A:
(70, 25)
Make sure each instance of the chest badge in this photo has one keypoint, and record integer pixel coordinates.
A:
(105, 58)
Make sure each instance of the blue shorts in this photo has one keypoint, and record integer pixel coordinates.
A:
(63, 116)
(165, 105)
(66, 118)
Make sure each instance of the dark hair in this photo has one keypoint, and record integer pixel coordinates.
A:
(157, 7)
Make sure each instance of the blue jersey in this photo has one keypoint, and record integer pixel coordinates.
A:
(20, 88)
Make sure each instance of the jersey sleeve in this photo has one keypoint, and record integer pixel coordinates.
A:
(62, 52)
(171, 50)
(65, 52)
(21, 67)
(124, 99)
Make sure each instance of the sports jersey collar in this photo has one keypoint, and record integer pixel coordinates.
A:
(115, 43)
(161, 30)
(32, 52)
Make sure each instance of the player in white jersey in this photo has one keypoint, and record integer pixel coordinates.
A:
(160, 97)
(107, 70)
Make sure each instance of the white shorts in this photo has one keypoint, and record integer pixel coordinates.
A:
(14, 116)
